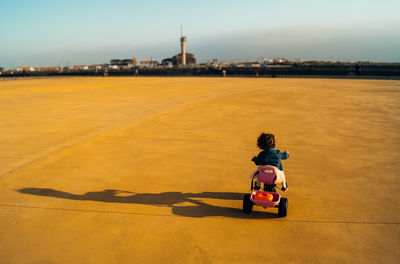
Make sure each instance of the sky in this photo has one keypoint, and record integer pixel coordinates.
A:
(75, 32)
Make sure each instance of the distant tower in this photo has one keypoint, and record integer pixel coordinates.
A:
(134, 60)
(183, 47)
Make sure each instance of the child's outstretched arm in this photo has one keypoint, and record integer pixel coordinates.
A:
(285, 155)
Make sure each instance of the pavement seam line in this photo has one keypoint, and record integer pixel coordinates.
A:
(133, 213)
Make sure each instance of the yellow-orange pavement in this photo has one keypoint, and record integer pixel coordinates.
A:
(153, 170)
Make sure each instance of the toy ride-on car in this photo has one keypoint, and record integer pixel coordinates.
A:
(269, 197)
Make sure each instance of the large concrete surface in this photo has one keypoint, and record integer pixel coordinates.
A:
(153, 170)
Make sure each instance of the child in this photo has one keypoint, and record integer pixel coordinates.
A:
(270, 156)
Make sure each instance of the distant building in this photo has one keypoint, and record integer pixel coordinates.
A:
(299, 60)
(182, 58)
(38, 69)
(177, 60)
(281, 60)
(190, 59)
(167, 62)
(225, 64)
(50, 69)
(126, 62)
(123, 62)
(84, 67)
(115, 62)
(265, 61)
(25, 69)
(89, 68)
(183, 51)
(149, 64)
(248, 64)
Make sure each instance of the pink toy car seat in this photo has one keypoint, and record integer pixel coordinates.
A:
(267, 174)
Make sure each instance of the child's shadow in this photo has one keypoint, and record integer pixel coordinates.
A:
(167, 199)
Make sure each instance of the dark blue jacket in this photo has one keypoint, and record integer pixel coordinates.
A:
(271, 157)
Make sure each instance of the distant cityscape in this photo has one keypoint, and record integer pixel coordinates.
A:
(184, 63)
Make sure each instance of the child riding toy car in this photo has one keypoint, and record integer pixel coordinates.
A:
(267, 175)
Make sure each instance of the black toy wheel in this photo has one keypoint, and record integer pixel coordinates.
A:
(282, 209)
(247, 204)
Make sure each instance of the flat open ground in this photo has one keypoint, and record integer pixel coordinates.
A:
(153, 170)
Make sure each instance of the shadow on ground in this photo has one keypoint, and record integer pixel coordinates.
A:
(167, 199)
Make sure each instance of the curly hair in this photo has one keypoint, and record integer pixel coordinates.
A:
(266, 141)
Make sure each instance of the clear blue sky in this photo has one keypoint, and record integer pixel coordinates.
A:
(58, 32)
